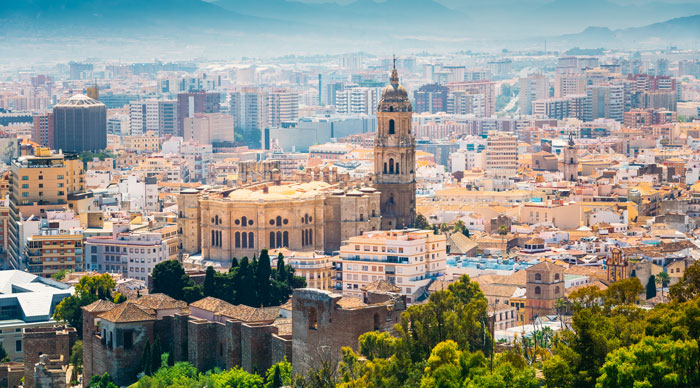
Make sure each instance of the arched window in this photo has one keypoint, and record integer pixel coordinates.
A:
(279, 221)
(279, 240)
(244, 221)
(377, 321)
(251, 240)
(397, 167)
(213, 238)
(556, 290)
(572, 161)
(311, 237)
(392, 128)
(238, 239)
(538, 277)
(538, 290)
(285, 239)
(385, 167)
(391, 165)
(272, 240)
(556, 276)
(244, 243)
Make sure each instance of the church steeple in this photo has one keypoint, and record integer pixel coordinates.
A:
(395, 156)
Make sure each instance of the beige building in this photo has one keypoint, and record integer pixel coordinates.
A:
(410, 259)
(315, 267)
(311, 216)
(565, 216)
(46, 180)
(148, 143)
(501, 155)
(208, 128)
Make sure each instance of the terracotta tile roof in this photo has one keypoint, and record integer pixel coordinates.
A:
(238, 312)
(161, 302)
(99, 306)
(600, 285)
(439, 285)
(546, 266)
(129, 312)
(498, 291)
(518, 279)
(380, 285)
(283, 325)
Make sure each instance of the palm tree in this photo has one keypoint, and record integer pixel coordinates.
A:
(459, 226)
(560, 306)
(662, 279)
(503, 230)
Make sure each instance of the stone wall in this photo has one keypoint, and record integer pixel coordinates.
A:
(321, 328)
(256, 347)
(56, 341)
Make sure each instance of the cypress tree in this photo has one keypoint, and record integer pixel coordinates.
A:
(277, 378)
(209, 285)
(156, 352)
(651, 287)
(262, 278)
(281, 268)
(146, 359)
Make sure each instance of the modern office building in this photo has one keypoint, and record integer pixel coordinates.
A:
(431, 98)
(26, 302)
(410, 259)
(486, 88)
(605, 101)
(357, 100)
(209, 128)
(248, 107)
(80, 124)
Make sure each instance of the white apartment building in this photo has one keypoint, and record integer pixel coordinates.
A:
(198, 157)
(501, 155)
(359, 100)
(139, 193)
(533, 87)
(131, 254)
(159, 116)
(282, 106)
(208, 128)
(410, 259)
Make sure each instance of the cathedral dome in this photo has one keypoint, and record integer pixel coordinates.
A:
(395, 96)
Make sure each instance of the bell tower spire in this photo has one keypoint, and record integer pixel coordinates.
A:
(395, 156)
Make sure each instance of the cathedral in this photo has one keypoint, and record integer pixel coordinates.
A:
(395, 157)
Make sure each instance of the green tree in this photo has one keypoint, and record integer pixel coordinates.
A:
(76, 356)
(104, 381)
(653, 362)
(262, 279)
(89, 289)
(503, 230)
(689, 286)
(3, 354)
(662, 280)
(156, 355)
(169, 278)
(146, 360)
(281, 268)
(421, 222)
(623, 292)
(209, 282)
(651, 287)
(279, 375)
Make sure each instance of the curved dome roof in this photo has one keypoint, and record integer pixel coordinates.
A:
(395, 96)
(80, 100)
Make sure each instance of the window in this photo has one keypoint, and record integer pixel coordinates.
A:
(25, 194)
(538, 277)
(392, 127)
(538, 290)
(251, 240)
(25, 178)
(18, 346)
(128, 339)
(556, 290)
(556, 276)
(313, 319)
(25, 185)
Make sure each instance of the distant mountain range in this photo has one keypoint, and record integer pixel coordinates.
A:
(258, 27)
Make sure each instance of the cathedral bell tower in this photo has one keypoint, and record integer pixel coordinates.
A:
(395, 157)
(570, 165)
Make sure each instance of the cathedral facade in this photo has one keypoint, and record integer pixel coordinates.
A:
(395, 157)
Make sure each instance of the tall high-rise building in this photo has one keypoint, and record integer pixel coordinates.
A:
(431, 98)
(485, 88)
(331, 92)
(248, 107)
(533, 87)
(605, 101)
(360, 100)
(501, 155)
(45, 181)
(80, 124)
(209, 128)
(395, 157)
(42, 131)
(159, 116)
(282, 105)
(196, 102)
(80, 70)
